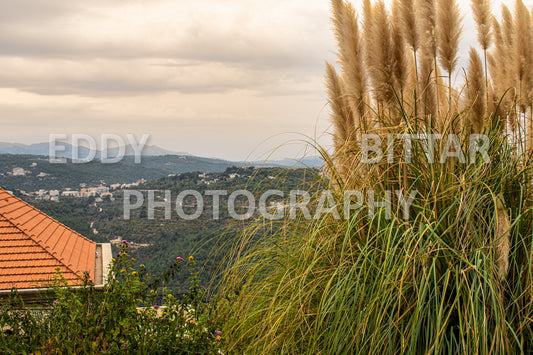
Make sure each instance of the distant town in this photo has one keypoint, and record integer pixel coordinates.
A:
(101, 192)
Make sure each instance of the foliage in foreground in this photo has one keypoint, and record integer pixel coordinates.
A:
(133, 314)
(454, 275)
(384, 284)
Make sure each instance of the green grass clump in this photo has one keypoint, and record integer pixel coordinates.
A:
(427, 284)
(455, 275)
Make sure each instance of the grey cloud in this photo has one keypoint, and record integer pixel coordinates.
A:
(129, 78)
(265, 60)
(48, 29)
(22, 12)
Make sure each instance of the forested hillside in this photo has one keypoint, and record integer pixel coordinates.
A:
(43, 174)
(156, 243)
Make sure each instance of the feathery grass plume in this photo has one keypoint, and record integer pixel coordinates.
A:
(523, 55)
(343, 121)
(351, 58)
(427, 12)
(508, 29)
(508, 57)
(380, 51)
(368, 23)
(502, 245)
(498, 104)
(499, 72)
(367, 14)
(400, 61)
(409, 29)
(449, 33)
(409, 23)
(476, 92)
(342, 116)
(497, 59)
(523, 50)
(483, 17)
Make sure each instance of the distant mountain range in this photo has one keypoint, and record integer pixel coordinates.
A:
(43, 149)
(83, 152)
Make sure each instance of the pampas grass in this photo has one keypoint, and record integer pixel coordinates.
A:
(523, 50)
(476, 92)
(400, 61)
(343, 118)
(409, 30)
(455, 274)
(503, 243)
(409, 23)
(342, 115)
(483, 17)
(380, 52)
(449, 33)
(351, 57)
(428, 28)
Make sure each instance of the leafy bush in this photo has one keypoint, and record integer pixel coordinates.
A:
(131, 314)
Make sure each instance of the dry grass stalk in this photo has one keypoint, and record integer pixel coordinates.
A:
(343, 120)
(351, 58)
(449, 34)
(409, 27)
(523, 55)
(400, 62)
(502, 246)
(476, 92)
(523, 50)
(409, 23)
(380, 54)
(501, 83)
(507, 57)
(368, 24)
(427, 12)
(483, 17)
(428, 26)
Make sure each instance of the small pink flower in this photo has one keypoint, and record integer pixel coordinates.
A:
(23, 316)
(219, 332)
(156, 307)
(179, 258)
(125, 242)
(56, 302)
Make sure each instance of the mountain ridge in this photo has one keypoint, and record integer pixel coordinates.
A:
(43, 149)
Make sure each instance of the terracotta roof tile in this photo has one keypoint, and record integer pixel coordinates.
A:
(33, 245)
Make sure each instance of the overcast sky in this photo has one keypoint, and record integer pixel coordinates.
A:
(219, 78)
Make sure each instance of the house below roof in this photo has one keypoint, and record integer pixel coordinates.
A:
(33, 246)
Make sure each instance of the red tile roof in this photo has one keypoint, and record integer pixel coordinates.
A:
(33, 245)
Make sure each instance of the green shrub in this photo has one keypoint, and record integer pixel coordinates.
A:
(132, 314)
